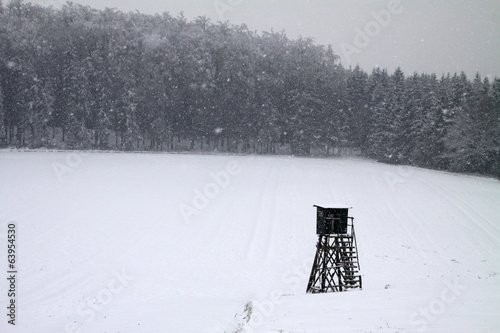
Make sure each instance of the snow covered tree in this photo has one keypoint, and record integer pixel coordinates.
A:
(357, 103)
(495, 127)
(159, 82)
(303, 122)
(382, 133)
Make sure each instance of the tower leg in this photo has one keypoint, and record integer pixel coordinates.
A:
(335, 265)
(316, 270)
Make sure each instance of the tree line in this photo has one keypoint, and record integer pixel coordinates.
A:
(80, 78)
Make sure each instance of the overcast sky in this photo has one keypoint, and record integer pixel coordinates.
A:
(431, 36)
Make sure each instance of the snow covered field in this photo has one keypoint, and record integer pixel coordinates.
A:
(183, 243)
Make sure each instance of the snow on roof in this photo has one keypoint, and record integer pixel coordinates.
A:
(335, 205)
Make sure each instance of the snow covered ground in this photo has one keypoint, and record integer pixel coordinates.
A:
(114, 242)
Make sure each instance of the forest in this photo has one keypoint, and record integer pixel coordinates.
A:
(80, 78)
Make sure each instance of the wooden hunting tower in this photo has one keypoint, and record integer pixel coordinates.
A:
(336, 264)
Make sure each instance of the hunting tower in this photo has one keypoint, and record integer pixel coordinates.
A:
(336, 264)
